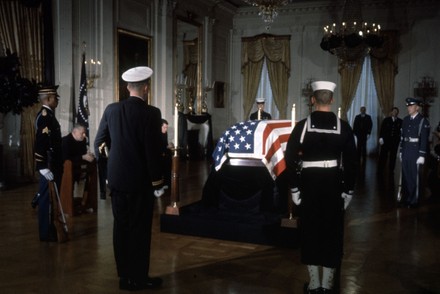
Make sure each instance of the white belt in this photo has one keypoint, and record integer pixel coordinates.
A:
(321, 163)
(411, 140)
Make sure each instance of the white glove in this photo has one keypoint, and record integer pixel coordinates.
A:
(347, 199)
(159, 192)
(45, 172)
(295, 196)
(420, 160)
(400, 156)
(380, 141)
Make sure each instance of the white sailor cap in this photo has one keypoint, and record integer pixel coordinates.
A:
(260, 100)
(323, 85)
(137, 74)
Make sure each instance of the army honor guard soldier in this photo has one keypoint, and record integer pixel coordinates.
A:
(48, 158)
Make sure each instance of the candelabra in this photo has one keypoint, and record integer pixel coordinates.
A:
(307, 92)
(208, 88)
(92, 68)
(92, 72)
(426, 89)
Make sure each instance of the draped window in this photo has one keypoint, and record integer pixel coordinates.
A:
(366, 95)
(275, 50)
(384, 66)
(21, 31)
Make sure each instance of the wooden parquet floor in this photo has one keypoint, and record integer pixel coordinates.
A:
(387, 249)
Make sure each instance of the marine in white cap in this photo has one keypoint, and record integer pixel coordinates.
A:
(321, 167)
(260, 114)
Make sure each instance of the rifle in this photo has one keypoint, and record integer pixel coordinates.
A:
(399, 188)
(57, 212)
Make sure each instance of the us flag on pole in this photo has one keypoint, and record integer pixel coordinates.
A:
(82, 115)
(265, 140)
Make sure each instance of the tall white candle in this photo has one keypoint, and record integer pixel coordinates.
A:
(176, 126)
(339, 112)
(293, 114)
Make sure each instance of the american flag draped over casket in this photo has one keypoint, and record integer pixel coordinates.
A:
(265, 140)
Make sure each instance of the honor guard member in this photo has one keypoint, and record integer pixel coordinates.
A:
(362, 129)
(389, 140)
(260, 114)
(48, 157)
(413, 151)
(131, 129)
(321, 165)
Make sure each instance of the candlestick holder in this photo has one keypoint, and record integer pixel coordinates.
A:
(173, 208)
(426, 89)
(207, 89)
(307, 92)
(179, 96)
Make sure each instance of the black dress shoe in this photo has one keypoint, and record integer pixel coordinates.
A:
(136, 285)
(327, 291)
(154, 282)
(313, 291)
(414, 205)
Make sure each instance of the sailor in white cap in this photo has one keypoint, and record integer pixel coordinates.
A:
(260, 113)
(414, 148)
(131, 129)
(321, 168)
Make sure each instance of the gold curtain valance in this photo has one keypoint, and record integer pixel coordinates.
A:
(276, 51)
(274, 48)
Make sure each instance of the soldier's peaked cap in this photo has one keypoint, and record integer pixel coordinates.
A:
(48, 90)
(413, 101)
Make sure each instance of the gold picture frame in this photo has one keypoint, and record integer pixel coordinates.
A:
(132, 50)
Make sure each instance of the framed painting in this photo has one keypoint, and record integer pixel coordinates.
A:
(132, 50)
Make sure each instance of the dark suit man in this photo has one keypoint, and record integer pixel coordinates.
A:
(131, 130)
(362, 129)
(389, 139)
(48, 158)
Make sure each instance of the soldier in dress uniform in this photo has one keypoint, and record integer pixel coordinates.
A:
(131, 129)
(414, 148)
(321, 165)
(260, 114)
(389, 139)
(48, 157)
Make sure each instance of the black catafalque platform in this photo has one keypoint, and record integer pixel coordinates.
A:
(239, 204)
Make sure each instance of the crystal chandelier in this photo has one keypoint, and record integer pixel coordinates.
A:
(268, 8)
(352, 39)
